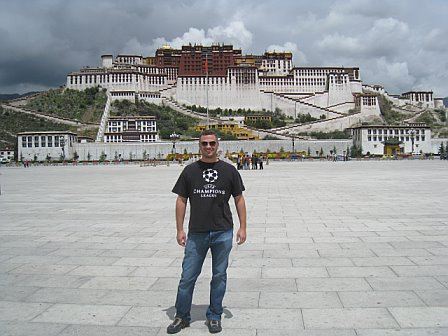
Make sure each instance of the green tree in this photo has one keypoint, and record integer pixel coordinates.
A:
(355, 151)
(103, 156)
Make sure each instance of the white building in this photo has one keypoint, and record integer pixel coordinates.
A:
(131, 129)
(263, 82)
(422, 99)
(7, 154)
(391, 140)
(41, 146)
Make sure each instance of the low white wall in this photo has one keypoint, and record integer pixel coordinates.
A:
(435, 143)
(161, 150)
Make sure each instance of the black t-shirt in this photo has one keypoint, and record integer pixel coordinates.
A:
(208, 187)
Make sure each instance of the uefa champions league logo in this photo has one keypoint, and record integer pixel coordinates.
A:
(210, 175)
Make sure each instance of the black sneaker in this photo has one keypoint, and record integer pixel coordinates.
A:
(177, 325)
(214, 326)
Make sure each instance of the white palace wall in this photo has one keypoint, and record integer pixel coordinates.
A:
(160, 150)
(129, 81)
(219, 93)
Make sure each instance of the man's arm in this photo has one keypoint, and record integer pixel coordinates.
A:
(181, 205)
(240, 205)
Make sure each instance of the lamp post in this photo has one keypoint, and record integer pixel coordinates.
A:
(174, 137)
(295, 111)
(62, 142)
(412, 134)
(293, 143)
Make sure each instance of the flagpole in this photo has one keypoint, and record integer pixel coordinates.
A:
(206, 78)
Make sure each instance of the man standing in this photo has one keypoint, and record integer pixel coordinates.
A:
(208, 185)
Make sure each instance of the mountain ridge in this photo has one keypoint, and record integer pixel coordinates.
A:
(11, 96)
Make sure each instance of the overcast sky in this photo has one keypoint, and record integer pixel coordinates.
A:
(399, 44)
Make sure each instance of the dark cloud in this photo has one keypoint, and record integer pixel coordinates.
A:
(399, 44)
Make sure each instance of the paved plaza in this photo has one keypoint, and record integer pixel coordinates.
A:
(356, 248)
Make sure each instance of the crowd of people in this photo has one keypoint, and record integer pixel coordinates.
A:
(246, 162)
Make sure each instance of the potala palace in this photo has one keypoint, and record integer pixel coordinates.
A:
(220, 76)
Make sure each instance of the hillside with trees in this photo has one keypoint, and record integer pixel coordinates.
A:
(86, 107)
(14, 122)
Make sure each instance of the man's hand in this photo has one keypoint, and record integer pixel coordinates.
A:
(181, 205)
(240, 205)
(181, 238)
(241, 236)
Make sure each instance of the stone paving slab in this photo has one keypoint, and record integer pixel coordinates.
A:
(20, 311)
(381, 299)
(82, 314)
(83, 330)
(348, 318)
(355, 248)
(421, 317)
(9, 328)
(403, 332)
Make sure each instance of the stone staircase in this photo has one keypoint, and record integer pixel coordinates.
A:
(300, 102)
(104, 119)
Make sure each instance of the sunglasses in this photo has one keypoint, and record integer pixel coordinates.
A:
(205, 143)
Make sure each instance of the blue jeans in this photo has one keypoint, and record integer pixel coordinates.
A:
(220, 245)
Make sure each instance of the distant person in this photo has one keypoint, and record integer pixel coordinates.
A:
(207, 184)
(254, 160)
(247, 162)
